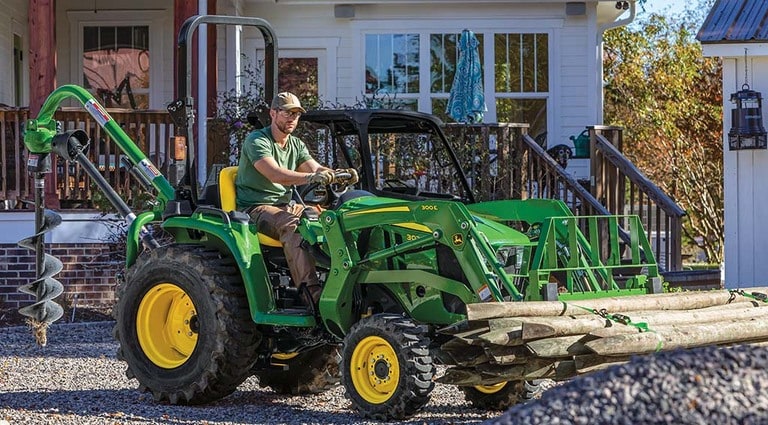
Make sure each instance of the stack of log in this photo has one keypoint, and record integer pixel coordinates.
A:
(559, 340)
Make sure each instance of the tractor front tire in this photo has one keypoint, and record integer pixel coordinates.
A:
(502, 395)
(310, 372)
(184, 326)
(387, 370)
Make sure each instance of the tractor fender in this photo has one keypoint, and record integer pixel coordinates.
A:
(236, 238)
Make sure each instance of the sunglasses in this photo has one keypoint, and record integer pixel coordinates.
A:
(289, 114)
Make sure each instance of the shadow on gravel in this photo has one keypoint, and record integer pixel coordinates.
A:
(254, 407)
(80, 340)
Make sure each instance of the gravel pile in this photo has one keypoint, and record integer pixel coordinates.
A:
(703, 386)
(76, 379)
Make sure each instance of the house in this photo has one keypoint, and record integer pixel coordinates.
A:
(541, 60)
(737, 31)
(542, 63)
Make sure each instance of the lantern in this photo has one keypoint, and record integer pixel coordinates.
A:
(747, 131)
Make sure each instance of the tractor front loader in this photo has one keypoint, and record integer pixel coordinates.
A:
(402, 270)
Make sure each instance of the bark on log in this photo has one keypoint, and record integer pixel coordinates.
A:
(674, 301)
(502, 337)
(503, 355)
(559, 347)
(683, 336)
(545, 327)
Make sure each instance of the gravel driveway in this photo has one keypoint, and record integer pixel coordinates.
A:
(76, 379)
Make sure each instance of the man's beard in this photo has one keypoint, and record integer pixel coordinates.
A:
(284, 127)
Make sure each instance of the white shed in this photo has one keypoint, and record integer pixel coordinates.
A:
(737, 31)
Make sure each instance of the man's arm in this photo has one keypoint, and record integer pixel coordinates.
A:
(270, 169)
(311, 166)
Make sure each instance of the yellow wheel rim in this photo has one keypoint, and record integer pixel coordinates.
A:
(284, 356)
(490, 389)
(166, 325)
(374, 370)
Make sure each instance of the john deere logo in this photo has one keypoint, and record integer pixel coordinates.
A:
(458, 239)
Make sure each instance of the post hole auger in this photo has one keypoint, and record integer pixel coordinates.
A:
(42, 137)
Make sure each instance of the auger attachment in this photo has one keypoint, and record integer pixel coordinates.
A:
(45, 288)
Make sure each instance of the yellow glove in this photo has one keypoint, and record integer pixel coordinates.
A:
(352, 173)
(324, 177)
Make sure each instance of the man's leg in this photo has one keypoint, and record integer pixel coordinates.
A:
(278, 223)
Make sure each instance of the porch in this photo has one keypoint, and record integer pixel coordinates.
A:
(502, 162)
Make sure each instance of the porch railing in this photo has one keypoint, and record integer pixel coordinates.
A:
(150, 130)
(501, 160)
(622, 188)
(511, 164)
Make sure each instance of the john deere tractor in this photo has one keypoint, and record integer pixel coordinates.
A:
(400, 259)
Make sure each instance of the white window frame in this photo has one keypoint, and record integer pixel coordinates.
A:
(324, 49)
(361, 28)
(17, 29)
(154, 19)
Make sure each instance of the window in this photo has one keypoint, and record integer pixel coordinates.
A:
(300, 76)
(444, 55)
(116, 65)
(18, 73)
(516, 73)
(521, 74)
(392, 68)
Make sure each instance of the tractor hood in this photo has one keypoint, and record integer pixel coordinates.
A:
(497, 233)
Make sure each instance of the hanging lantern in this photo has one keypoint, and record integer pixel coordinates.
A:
(747, 131)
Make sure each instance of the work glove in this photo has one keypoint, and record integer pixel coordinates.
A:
(324, 177)
(350, 180)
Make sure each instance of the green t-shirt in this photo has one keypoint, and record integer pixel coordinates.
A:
(252, 187)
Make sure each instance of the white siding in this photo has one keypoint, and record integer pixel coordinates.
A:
(574, 84)
(746, 203)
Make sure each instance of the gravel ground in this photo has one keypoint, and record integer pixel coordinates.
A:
(707, 386)
(76, 379)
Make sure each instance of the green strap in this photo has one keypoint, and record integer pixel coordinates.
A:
(624, 320)
(758, 296)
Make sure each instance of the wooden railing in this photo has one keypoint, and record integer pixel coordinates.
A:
(501, 160)
(622, 188)
(524, 170)
(71, 187)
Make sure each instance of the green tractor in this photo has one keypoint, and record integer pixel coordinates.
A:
(399, 261)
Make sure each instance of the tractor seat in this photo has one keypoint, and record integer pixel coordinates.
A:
(228, 203)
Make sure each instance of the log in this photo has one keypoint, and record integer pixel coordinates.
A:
(462, 354)
(472, 336)
(502, 337)
(544, 327)
(503, 355)
(682, 336)
(673, 301)
(559, 347)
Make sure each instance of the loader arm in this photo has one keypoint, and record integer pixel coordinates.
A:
(434, 223)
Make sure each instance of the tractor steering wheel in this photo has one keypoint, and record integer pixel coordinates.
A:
(326, 195)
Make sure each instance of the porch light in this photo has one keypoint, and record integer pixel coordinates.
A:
(747, 131)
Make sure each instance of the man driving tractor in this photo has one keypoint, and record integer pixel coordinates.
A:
(272, 162)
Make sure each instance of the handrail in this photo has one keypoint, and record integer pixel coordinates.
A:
(628, 169)
(618, 184)
(570, 181)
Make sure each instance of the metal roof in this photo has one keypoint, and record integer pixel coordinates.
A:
(735, 21)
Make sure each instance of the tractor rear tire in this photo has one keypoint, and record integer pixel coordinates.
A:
(501, 396)
(387, 370)
(310, 372)
(184, 326)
